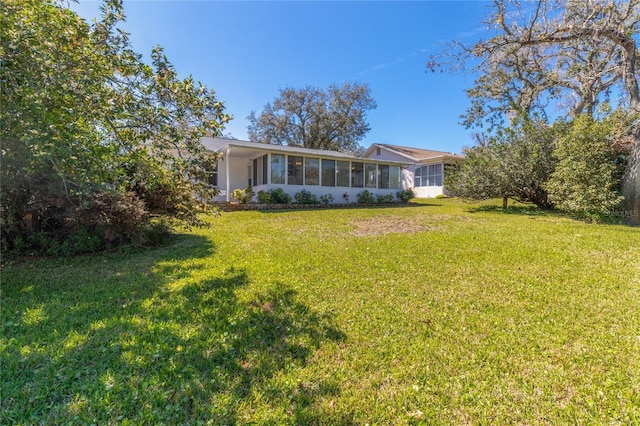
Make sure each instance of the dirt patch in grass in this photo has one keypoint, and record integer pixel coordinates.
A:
(384, 225)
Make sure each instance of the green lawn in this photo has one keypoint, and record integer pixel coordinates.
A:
(440, 313)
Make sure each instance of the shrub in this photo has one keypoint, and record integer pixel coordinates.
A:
(158, 232)
(326, 199)
(68, 226)
(587, 178)
(244, 196)
(385, 199)
(306, 197)
(264, 197)
(279, 196)
(365, 197)
(405, 195)
(515, 162)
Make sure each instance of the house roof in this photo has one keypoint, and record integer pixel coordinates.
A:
(247, 147)
(415, 155)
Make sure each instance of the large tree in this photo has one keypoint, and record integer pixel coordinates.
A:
(558, 57)
(516, 162)
(310, 117)
(84, 118)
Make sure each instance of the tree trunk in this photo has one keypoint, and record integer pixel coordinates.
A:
(505, 201)
(631, 185)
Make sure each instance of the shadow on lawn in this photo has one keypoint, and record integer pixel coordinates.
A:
(150, 340)
(534, 211)
(278, 208)
(526, 210)
(517, 210)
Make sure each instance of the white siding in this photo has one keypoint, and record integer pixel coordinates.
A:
(238, 176)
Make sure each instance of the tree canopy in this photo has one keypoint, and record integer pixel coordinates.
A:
(516, 163)
(333, 119)
(83, 116)
(557, 58)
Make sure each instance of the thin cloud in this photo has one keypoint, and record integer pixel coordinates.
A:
(394, 62)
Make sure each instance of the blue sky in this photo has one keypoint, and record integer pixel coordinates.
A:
(247, 51)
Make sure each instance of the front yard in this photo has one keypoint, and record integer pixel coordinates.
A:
(440, 313)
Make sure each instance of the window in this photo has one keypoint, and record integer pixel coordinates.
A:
(342, 174)
(212, 174)
(378, 151)
(260, 170)
(357, 175)
(430, 175)
(394, 177)
(383, 176)
(277, 168)
(311, 171)
(370, 175)
(435, 175)
(295, 169)
(328, 173)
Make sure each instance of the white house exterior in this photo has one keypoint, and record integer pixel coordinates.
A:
(321, 172)
(425, 174)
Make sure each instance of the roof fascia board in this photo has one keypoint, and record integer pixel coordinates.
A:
(309, 153)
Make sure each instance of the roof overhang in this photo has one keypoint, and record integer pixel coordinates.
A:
(441, 159)
(249, 150)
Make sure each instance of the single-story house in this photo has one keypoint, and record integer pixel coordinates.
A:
(425, 174)
(321, 172)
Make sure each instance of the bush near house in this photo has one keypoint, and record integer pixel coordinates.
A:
(365, 197)
(306, 197)
(244, 196)
(385, 199)
(264, 197)
(326, 199)
(278, 196)
(274, 196)
(406, 195)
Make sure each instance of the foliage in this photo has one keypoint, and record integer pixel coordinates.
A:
(515, 163)
(264, 197)
(107, 221)
(579, 55)
(562, 57)
(586, 178)
(332, 119)
(406, 195)
(274, 196)
(385, 199)
(244, 196)
(84, 117)
(306, 197)
(278, 196)
(365, 197)
(326, 199)
(294, 319)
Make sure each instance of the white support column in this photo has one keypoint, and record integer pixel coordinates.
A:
(226, 169)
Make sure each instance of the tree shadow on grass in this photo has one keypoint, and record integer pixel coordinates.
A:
(280, 208)
(526, 210)
(157, 339)
(534, 211)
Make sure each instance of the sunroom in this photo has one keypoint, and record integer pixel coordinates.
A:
(337, 176)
